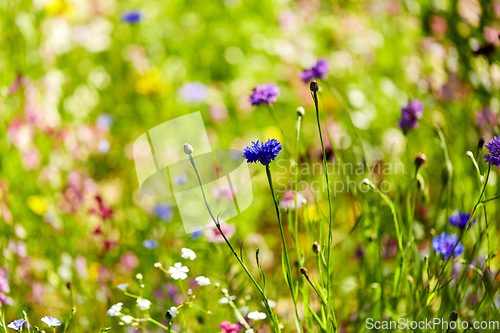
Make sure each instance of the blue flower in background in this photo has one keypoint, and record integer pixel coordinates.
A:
(194, 92)
(264, 94)
(150, 244)
(263, 152)
(444, 244)
(493, 156)
(460, 219)
(51, 322)
(16, 324)
(410, 114)
(164, 211)
(132, 17)
(318, 71)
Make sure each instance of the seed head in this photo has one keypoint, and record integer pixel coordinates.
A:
(188, 149)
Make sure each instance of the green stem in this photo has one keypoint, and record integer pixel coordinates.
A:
(266, 302)
(329, 244)
(289, 278)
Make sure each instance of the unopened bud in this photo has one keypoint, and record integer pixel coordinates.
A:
(316, 247)
(138, 276)
(314, 86)
(303, 270)
(188, 149)
(420, 161)
(453, 316)
(300, 111)
(480, 143)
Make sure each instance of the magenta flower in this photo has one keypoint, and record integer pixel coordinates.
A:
(228, 327)
(213, 234)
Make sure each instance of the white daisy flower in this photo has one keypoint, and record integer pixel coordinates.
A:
(188, 253)
(127, 319)
(256, 315)
(202, 281)
(178, 271)
(115, 309)
(143, 304)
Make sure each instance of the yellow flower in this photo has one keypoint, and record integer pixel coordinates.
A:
(149, 83)
(58, 7)
(37, 205)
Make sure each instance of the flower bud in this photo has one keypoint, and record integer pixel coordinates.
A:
(300, 111)
(480, 144)
(316, 247)
(303, 270)
(188, 149)
(314, 86)
(420, 161)
(453, 316)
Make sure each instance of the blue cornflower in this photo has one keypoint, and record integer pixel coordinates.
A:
(493, 156)
(410, 114)
(132, 17)
(150, 244)
(16, 324)
(194, 92)
(444, 245)
(318, 71)
(263, 152)
(264, 94)
(51, 322)
(164, 211)
(460, 219)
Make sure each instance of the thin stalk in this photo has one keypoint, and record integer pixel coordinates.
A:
(329, 244)
(285, 250)
(266, 302)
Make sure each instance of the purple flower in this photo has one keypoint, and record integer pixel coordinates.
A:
(264, 94)
(132, 17)
(493, 156)
(51, 322)
(263, 152)
(318, 71)
(164, 211)
(410, 114)
(150, 244)
(194, 92)
(460, 219)
(444, 245)
(16, 324)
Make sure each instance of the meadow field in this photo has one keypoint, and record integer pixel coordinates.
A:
(361, 139)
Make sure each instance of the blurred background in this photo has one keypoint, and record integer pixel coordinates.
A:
(83, 79)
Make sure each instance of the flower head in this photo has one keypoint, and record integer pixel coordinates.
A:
(122, 286)
(256, 315)
(164, 211)
(263, 152)
(213, 234)
(202, 281)
(16, 324)
(127, 319)
(143, 304)
(150, 244)
(228, 327)
(318, 71)
(132, 17)
(178, 271)
(51, 322)
(194, 92)
(264, 94)
(410, 114)
(188, 254)
(493, 156)
(172, 312)
(288, 200)
(444, 245)
(460, 219)
(115, 309)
